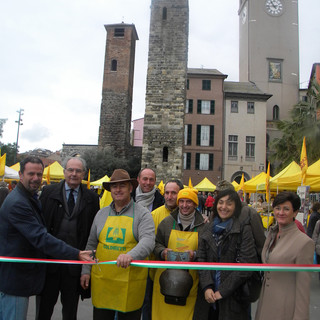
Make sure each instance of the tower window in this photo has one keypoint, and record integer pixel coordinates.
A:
(165, 154)
(276, 112)
(164, 13)
(114, 65)
(119, 32)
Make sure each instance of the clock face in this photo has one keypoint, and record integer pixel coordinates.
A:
(274, 7)
(244, 15)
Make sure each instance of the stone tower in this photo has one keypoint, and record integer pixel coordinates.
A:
(269, 54)
(116, 105)
(166, 88)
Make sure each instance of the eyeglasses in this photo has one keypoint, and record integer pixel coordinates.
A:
(70, 170)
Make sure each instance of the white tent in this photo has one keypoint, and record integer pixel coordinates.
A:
(10, 174)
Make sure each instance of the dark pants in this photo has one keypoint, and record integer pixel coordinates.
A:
(60, 281)
(105, 314)
(147, 303)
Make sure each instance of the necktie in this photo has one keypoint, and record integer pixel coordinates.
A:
(71, 201)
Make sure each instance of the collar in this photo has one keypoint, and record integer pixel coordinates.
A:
(67, 188)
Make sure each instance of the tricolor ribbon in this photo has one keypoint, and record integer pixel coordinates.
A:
(183, 265)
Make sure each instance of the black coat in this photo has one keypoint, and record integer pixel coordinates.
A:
(23, 234)
(54, 208)
(230, 281)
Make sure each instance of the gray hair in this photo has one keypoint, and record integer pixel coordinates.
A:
(83, 162)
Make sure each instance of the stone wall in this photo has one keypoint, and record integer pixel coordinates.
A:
(166, 88)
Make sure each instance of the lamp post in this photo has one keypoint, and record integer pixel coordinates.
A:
(19, 121)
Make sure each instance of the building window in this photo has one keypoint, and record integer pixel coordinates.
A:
(250, 107)
(232, 147)
(204, 161)
(165, 154)
(114, 65)
(188, 84)
(118, 32)
(250, 147)
(205, 136)
(275, 70)
(206, 107)
(234, 106)
(206, 85)
(189, 106)
(187, 134)
(187, 161)
(164, 13)
(275, 112)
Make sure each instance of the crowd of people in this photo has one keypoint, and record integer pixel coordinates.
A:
(65, 222)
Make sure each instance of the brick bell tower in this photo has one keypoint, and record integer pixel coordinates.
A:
(166, 88)
(117, 89)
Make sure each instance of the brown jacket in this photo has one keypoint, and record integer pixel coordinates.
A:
(286, 295)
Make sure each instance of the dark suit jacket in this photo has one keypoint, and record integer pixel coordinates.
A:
(23, 234)
(54, 208)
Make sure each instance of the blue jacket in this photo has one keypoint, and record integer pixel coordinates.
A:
(23, 234)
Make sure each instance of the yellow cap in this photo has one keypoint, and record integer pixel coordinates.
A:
(188, 193)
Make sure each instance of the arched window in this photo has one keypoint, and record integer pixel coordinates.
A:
(165, 154)
(276, 112)
(114, 65)
(164, 13)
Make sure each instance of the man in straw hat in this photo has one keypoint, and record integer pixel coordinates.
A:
(123, 231)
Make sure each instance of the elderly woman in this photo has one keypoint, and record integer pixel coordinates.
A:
(226, 240)
(285, 295)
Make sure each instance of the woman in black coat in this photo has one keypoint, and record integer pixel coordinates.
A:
(226, 240)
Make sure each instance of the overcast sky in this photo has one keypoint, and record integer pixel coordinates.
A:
(52, 58)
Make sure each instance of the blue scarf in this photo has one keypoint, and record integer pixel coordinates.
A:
(220, 226)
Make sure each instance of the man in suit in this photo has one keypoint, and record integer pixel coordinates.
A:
(23, 234)
(69, 209)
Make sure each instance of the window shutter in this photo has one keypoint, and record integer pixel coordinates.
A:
(198, 134)
(211, 161)
(211, 141)
(197, 161)
(212, 107)
(199, 107)
(189, 137)
(188, 165)
(190, 106)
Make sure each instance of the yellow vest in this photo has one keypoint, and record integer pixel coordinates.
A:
(113, 287)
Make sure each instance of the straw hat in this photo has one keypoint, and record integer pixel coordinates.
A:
(120, 175)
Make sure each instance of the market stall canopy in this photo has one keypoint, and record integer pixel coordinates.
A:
(16, 166)
(236, 185)
(294, 181)
(205, 185)
(251, 185)
(291, 169)
(56, 172)
(10, 173)
(98, 183)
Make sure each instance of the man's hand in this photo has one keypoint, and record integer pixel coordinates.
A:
(86, 256)
(124, 260)
(84, 281)
(164, 253)
(191, 255)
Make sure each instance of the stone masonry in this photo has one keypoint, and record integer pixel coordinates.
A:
(116, 105)
(166, 88)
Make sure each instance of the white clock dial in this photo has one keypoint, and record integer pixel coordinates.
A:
(274, 7)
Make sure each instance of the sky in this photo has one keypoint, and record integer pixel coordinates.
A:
(52, 60)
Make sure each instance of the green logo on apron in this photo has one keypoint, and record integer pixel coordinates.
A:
(116, 235)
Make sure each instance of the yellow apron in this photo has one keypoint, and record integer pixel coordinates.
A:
(113, 287)
(179, 241)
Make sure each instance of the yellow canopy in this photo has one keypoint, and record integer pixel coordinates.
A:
(16, 166)
(289, 170)
(56, 172)
(205, 185)
(294, 181)
(98, 183)
(251, 185)
(236, 185)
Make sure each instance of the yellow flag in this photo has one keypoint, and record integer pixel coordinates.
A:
(303, 161)
(267, 184)
(106, 199)
(3, 164)
(161, 187)
(48, 175)
(190, 183)
(241, 185)
(88, 182)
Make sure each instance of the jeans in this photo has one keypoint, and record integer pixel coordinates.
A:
(13, 307)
